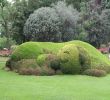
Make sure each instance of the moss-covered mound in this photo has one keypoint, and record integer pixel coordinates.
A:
(69, 57)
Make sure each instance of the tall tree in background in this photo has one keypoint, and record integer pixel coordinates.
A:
(57, 23)
(21, 14)
(6, 18)
(23, 8)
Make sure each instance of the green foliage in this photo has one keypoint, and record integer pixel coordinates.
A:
(69, 59)
(4, 44)
(57, 23)
(84, 58)
(95, 22)
(13, 47)
(59, 72)
(30, 71)
(95, 72)
(34, 49)
(20, 87)
(47, 71)
(43, 25)
(72, 57)
(55, 63)
(41, 59)
(24, 63)
(27, 63)
(98, 60)
(49, 60)
(27, 51)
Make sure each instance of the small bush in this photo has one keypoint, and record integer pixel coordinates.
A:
(25, 71)
(69, 59)
(8, 64)
(30, 71)
(41, 59)
(11, 64)
(47, 71)
(55, 64)
(84, 59)
(6, 43)
(37, 71)
(95, 72)
(27, 63)
(24, 63)
(49, 60)
(59, 72)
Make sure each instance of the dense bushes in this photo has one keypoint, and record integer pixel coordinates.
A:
(95, 72)
(4, 43)
(37, 71)
(84, 58)
(30, 71)
(48, 58)
(24, 63)
(26, 51)
(69, 59)
(43, 25)
(56, 23)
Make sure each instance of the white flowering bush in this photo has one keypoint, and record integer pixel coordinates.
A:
(56, 23)
(43, 25)
(69, 17)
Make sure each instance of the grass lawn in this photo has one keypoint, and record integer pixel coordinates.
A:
(65, 87)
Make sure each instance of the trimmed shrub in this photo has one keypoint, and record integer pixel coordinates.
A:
(11, 64)
(72, 57)
(98, 60)
(59, 72)
(30, 71)
(95, 72)
(102, 66)
(25, 71)
(55, 64)
(47, 71)
(24, 63)
(29, 50)
(27, 63)
(49, 60)
(41, 59)
(69, 59)
(84, 59)
(8, 64)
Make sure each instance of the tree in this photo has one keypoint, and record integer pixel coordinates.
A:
(69, 17)
(21, 14)
(43, 25)
(5, 19)
(56, 23)
(23, 9)
(95, 23)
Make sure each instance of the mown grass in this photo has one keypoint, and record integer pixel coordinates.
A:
(64, 87)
